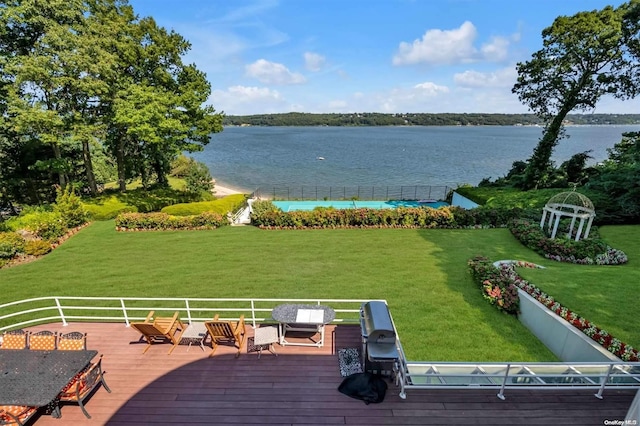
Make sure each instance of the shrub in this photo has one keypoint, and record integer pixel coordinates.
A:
(587, 251)
(105, 208)
(37, 248)
(224, 205)
(163, 221)
(41, 221)
(11, 244)
(199, 178)
(69, 207)
(268, 216)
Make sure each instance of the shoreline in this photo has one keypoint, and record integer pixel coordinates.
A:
(224, 190)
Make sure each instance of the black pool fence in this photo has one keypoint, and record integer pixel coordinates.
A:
(374, 193)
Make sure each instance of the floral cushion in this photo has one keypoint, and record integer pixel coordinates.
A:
(45, 342)
(69, 391)
(20, 412)
(71, 344)
(14, 341)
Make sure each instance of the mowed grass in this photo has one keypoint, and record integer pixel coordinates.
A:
(439, 311)
(605, 295)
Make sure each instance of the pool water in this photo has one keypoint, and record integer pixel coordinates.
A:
(289, 206)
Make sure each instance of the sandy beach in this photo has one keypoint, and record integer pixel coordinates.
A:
(222, 191)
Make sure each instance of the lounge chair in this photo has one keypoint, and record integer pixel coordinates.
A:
(161, 330)
(226, 331)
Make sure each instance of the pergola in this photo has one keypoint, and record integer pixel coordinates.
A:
(569, 204)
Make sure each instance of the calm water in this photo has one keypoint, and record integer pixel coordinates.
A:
(250, 157)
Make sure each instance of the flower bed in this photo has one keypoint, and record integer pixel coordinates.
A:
(591, 251)
(502, 274)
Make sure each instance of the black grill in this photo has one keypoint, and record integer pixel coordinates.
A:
(379, 351)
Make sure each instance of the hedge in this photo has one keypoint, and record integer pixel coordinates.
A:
(163, 221)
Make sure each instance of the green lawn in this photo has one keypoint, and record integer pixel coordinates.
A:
(605, 295)
(422, 274)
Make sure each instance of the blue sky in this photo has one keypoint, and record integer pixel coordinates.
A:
(390, 56)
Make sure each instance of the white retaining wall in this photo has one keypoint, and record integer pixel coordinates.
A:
(567, 342)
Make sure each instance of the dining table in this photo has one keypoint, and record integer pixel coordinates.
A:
(36, 378)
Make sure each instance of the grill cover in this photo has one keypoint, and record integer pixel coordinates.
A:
(376, 323)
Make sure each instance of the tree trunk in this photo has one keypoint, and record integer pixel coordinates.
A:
(88, 165)
(540, 161)
(63, 179)
(122, 174)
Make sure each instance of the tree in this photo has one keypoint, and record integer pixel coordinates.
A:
(156, 103)
(584, 57)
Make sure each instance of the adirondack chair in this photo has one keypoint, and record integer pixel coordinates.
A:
(226, 331)
(160, 330)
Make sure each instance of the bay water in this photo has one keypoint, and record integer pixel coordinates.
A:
(246, 158)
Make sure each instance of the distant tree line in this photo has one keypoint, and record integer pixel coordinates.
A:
(419, 119)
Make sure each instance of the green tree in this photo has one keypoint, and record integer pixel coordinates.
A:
(156, 103)
(584, 57)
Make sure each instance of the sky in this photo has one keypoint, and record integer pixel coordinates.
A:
(345, 56)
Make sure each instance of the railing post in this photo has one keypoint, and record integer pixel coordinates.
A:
(604, 383)
(253, 314)
(186, 303)
(61, 312)
(124, 312)
(504, 383)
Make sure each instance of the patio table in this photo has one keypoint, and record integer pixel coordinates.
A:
(35, 378)
(306, 318)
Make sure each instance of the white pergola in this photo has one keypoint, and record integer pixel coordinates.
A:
(568, 204)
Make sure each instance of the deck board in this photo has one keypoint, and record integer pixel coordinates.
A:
(298, 387)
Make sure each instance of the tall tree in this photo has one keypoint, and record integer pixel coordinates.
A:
(156, 103)
(584, 57)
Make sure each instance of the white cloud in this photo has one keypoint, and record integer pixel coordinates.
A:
(439, 47)
(430, 89)
(496, 50)
(505, 77)
(452, 47)
(313, 61)
(241, 100)
(273, 73)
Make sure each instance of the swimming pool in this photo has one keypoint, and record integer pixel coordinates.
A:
(289, 206)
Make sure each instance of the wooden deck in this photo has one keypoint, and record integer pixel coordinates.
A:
(299, 387)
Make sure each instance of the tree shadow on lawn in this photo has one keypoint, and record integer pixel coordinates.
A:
(481, 323)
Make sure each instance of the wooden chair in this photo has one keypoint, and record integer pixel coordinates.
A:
(83, 385)
(72, 341)
(16, 414)
(14, 339)
(162, 329)
(226, 331)
(43, 340)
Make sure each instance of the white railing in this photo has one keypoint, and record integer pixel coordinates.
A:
(24, 313)
(408, 374)
(502, 376)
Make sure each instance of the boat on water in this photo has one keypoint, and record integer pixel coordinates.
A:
(319, 158)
